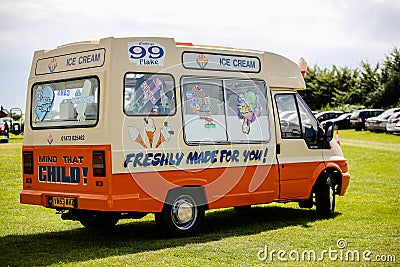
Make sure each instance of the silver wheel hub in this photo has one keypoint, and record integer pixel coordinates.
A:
(184, 212)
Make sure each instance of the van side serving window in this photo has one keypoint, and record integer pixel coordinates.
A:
(219, 110)
(149, 94)
(66, 103)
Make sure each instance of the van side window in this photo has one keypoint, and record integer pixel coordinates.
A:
(224, 110)
(203, 110)
(296, 120)
(149, 94)
(247, 114)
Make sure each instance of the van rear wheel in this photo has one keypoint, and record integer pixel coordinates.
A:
(182, 217)
(325, 197)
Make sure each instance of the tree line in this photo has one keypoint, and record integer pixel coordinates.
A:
(342, 88)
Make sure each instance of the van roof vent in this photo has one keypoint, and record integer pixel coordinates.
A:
(92, 42)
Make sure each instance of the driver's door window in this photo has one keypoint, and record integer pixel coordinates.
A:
(296, 120)
(288, 115)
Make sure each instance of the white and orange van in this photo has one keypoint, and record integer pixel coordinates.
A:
(122, 127)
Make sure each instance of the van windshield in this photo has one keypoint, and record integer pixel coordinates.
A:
(68, 103)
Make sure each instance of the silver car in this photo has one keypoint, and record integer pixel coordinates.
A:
(378, 124)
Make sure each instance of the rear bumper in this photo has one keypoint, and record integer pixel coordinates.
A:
(345, 183)
(357, 125)
(3, 137)
(87, 202)
(98, 202)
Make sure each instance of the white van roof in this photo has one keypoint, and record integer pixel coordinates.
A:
(278, 71)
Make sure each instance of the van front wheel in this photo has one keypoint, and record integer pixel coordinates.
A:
(182, 217)
(325, 197)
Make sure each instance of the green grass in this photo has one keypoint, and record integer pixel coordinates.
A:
(367, 217)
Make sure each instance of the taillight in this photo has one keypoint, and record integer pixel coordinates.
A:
(359, 119)
(28, 162)
(395, 121)
(99, 163)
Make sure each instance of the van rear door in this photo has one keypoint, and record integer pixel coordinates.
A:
(298, 152)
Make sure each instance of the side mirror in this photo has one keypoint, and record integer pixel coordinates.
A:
(328, 128)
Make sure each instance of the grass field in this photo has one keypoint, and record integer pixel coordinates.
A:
(367, 221)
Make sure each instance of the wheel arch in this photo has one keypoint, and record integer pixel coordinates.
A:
(336, 175)
(197, 192)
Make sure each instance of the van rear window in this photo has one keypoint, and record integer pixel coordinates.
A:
(67, 103)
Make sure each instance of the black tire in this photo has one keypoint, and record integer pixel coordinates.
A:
(242, 208)
(98, 221)
(181, 216)
(306, 204)
(325, 197)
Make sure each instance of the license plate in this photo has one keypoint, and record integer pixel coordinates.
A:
(63, 202)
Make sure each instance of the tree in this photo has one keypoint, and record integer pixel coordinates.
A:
(370, 82)
(375, 85)
(318, 93)
(388, 94)
(345, 86)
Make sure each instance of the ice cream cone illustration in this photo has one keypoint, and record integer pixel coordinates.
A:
(150, 129)
(160, 140)
(135, 136)
(302, 63)
(165, 134)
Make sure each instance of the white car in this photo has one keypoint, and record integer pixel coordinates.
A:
(397, 128)
(393, 120)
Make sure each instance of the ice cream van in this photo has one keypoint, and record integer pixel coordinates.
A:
(122, 127)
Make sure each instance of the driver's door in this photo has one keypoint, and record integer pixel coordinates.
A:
(298, 152)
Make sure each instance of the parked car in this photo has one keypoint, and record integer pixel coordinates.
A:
(7, 120)
(397, 128)
(341, 122)
(393, 120)
(357, 119)
(378, 123)
(327, 115)
(13, 126)
(4, 130)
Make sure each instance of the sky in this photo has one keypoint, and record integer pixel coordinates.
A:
(324, 32)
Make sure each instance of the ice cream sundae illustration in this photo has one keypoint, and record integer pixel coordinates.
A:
(248, 109)
(150, 129)
(135, 136)
(165, 134)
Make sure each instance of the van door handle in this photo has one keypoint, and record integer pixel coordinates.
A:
(278, 148)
